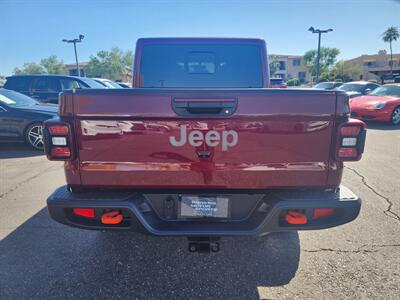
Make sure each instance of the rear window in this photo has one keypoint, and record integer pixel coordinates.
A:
(46, 84)
(20, 84)
(205, 65)
(69, 84)
(13, 98)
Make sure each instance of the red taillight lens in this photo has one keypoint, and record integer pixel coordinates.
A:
(323, 212)
(58, 130)
(84, 212)
(350, 130)
(351, 140)
(347, 152)
(61, 152)
(58, 140)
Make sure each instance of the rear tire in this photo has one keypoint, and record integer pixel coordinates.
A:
(34, 136)
(395, 118)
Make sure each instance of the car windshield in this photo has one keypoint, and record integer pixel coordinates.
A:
(12, 98)
(389, 90)
(324, 85)
(92, 83)
(352, 87)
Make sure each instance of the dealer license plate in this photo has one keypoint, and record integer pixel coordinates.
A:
(192, 206)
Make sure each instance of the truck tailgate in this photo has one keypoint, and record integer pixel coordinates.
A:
(135, 138)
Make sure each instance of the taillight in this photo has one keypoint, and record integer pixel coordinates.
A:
(58, 140)
(84, 212)
(58, 130)
(323, 212)
(60, 152)
(351, 140)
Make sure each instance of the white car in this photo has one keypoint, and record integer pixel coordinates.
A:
(108, 83)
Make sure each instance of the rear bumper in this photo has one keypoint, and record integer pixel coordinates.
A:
(142, 214)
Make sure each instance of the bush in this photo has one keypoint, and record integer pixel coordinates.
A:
(293, 82)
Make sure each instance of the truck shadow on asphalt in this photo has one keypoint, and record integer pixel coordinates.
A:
(17, 150)
(43, 259)
(382, 126)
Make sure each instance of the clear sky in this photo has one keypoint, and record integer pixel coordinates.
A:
(33, 29)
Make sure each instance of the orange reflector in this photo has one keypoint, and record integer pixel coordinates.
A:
(111, 218)
(350, 130)
(60, 152)
(323, 212)
(295, 218)
(84, 212)
(347, 152)
(58, 130)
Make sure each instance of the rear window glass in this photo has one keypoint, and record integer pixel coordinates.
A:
(13, 98)
(18, 83)
(205, 65)
(46, 84)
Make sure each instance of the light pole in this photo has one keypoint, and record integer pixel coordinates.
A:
(319, 31)
(74, 41)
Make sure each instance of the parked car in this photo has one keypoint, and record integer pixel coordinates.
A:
(21, 118)
(125, 85)
(277, 83)
(329, 85)
(107, 83)
(383, 104)
(358, 88)
(201, 148)
(45, 88)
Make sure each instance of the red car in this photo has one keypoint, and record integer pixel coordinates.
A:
(383, 104)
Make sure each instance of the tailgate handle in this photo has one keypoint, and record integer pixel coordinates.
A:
(204, 106)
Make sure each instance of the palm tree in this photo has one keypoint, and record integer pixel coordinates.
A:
(391, 34)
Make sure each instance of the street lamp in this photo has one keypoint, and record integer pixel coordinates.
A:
(74, 41)
(319, 31)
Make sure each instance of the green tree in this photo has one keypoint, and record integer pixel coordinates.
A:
(390, 35)
(326, 75)
(293, 82)
(127, 58)
(110, 64)
(30, 68)
(343, 71)
(53, 66)
(327, 59)
(2, 80)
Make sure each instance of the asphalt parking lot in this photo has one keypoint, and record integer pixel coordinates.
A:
(42, 259)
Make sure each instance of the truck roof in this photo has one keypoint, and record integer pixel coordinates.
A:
(156, 40)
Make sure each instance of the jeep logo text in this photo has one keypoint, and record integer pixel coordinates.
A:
(212, 138)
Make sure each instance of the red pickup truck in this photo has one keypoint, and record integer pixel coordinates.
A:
(201, 147)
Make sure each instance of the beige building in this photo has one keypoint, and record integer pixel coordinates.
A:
(72, 71)
(374, 67)
(291, 66)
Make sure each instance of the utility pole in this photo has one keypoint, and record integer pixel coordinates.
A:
(74, 41)
(319, 31)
